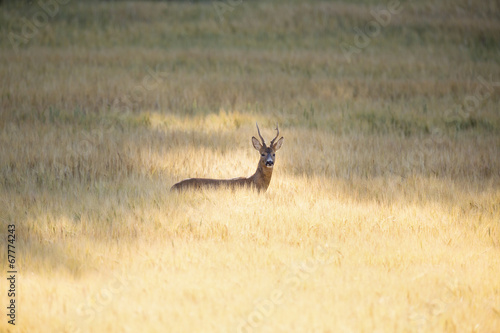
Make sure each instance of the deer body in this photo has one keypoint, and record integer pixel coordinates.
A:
(259, 180)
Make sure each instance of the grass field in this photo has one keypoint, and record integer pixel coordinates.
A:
(383, 213)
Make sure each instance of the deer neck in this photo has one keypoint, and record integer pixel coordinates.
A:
(262, 176)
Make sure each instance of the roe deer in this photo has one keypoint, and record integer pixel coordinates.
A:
(259, 180)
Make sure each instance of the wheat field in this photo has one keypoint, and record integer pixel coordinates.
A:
(383, 213)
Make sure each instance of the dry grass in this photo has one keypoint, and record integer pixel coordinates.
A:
(383, 211)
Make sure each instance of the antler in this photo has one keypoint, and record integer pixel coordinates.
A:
(261, 138)
(277, 134)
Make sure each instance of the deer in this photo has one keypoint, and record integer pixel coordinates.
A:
(259, 180)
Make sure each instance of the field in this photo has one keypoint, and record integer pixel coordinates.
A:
(383, 213)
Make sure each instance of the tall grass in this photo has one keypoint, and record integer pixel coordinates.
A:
(383, 211)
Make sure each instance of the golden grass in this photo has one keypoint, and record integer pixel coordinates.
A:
(383, 211)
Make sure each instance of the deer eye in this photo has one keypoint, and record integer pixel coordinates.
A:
(262, 155)
(274, 155)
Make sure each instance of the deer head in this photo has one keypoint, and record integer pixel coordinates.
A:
(267, 154)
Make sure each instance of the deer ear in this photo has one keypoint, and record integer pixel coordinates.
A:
(256, 144)
(278, 144)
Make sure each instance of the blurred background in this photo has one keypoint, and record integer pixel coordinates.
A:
(391, 161)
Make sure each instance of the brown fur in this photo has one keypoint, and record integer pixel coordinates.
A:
(259, 180)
